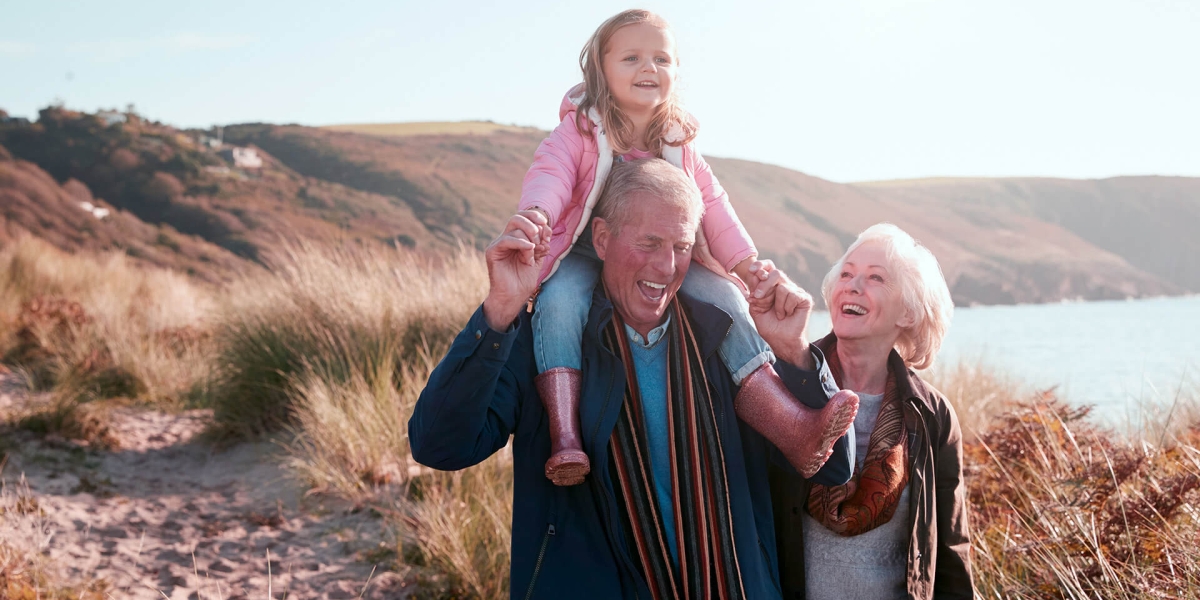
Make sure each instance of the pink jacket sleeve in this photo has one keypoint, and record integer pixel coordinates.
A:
(550, 181)
(727, 238)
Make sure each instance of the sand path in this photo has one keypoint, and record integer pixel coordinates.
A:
(168, 516)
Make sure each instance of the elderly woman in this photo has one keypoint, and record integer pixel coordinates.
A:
(898, 528)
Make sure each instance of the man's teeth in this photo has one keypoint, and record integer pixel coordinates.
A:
(854, 308)
(656, 286)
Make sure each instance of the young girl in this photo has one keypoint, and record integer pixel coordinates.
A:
(626, 109)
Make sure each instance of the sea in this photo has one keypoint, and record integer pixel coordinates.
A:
(1120, 356)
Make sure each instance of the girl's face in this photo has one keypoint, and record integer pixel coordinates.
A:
(639, 67)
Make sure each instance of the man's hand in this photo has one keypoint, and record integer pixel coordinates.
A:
(514, 261)
(780, 309)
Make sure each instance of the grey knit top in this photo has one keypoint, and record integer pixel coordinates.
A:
(869, 565)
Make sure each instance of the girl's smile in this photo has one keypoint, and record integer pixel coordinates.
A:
(639, 66)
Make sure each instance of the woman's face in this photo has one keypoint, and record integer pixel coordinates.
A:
(865, 303)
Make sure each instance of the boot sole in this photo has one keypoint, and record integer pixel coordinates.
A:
(841, 412)
(568, 468)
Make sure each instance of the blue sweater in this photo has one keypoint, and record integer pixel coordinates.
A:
(569, 541)
(650, 364)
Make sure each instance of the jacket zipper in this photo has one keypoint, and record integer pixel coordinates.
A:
(767, 561)
(541, 555)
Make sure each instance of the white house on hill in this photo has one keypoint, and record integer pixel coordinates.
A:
(242, 158)
(110, 117)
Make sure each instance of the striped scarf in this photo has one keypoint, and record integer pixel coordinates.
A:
(708, 566)
(869, 499)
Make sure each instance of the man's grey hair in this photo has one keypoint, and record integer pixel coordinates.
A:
(653, 177)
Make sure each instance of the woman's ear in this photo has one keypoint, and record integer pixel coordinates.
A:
(908, 320)
(601, 234)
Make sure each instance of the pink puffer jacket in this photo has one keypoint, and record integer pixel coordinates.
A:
(569, 170)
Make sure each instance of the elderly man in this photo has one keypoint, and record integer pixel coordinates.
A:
(678, 503)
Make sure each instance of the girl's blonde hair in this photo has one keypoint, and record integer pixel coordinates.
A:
(615, 124)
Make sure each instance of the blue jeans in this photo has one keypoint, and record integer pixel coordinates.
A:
(562, 310)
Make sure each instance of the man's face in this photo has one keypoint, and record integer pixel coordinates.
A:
(645, 262)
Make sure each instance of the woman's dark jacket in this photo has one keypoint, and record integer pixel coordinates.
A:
(939, 564)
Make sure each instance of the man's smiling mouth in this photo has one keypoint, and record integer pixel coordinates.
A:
(652, 290)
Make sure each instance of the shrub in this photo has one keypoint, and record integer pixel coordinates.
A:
(1062, 508)
(100, 326)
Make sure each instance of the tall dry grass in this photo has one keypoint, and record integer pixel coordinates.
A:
(461, 522)
(343, 313)
(335, 346)
(85, 328)
(25, 534)
(976, 390)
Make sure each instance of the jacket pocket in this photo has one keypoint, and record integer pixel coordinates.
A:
(774, 573)
(537, 567)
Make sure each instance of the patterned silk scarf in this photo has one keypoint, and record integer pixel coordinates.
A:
(708, 566)
(869, 499)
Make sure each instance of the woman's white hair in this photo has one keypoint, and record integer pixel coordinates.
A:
(923, 291)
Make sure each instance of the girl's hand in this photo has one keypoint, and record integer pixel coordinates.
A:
(745, 271)
(541, 222)
(755, 274)
(780, 310)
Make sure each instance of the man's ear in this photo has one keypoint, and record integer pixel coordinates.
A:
(601, 235)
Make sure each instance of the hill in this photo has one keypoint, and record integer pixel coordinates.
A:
(993, 249)
(165, 177)
(68, 216)
(431, 186)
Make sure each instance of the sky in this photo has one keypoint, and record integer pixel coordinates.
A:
(847, 90)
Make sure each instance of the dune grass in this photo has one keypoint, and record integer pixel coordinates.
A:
(344, 313)
(79, 329)
(25, 573)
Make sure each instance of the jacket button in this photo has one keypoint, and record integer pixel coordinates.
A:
(496, 346)
(478, 334)
(804, 381)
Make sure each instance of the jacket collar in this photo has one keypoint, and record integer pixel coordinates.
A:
(710, 324)
(908, 383)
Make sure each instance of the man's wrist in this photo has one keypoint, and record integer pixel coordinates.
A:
(500, 314)
(798, 353)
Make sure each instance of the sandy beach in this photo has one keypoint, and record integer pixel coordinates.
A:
(165, 514)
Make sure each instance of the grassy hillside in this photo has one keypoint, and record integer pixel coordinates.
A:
(464, 185)
(1147, 221)
(430, 186)
(161, 176)
(991, 253)
(457, 186)
(32, 202)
